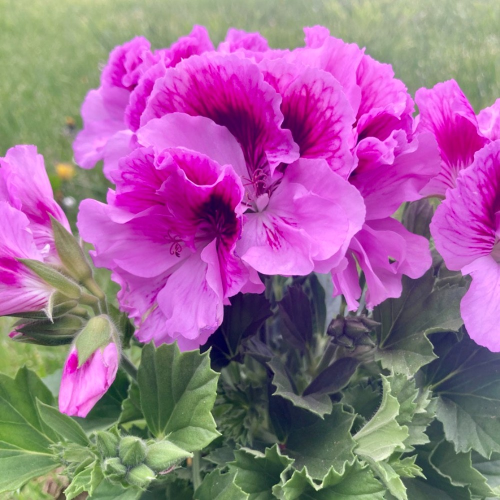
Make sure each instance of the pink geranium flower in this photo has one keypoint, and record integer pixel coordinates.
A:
(466, 231)
(26, 201)
(111, 113)
(391, 166)
(169, 233)
(81, 387)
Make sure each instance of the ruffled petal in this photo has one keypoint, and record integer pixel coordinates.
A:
(316, 111)
(230, 91)
(489, 121)
(464, 225)
(446, 113)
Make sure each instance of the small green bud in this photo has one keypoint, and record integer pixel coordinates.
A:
(53, 278)
(98, 333)
(70, 253)
(162, 455)
(141, 476)
(107, 444)
(132, 450)
(114, 469)
(45, 332)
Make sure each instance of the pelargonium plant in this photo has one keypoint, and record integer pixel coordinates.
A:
(305, 321)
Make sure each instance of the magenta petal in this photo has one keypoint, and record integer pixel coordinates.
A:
(103, 116)
(20, 289)
(239, 39)
(480, 305)
(464, 225)
(316, 111)
(345, 279)
(446, 113)
(230, 91)
(82, 387)
(196, 43)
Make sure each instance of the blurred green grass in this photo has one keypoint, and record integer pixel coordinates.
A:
(51, 52)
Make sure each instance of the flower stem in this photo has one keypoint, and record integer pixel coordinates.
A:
(129, 367)
(196, 470)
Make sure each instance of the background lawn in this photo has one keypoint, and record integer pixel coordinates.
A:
(51, 52)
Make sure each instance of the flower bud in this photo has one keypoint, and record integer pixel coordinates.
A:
(45, 332)
(141, 476)
(351, 331)
(53, 278)
(107, 444)
(98, 333)
(162, 455)
(114, 469)
(132, 450)
(70, 253)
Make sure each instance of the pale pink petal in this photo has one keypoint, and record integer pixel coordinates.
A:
(315, 36)
(103, 116)
(446, 113)
(196, 133)
(489, 121)
(82, 387)
(394, 171)
(480, 305)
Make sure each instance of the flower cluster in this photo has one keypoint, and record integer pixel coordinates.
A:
(243, 161)
(466, 226)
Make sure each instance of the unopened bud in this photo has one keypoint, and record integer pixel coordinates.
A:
(350, 331)
(70, 253)
(98, 333)
(114, 469)
(107, 444)
(141, 476)
(132, 451)
(53, 278)
(45, 332)
(162, 455)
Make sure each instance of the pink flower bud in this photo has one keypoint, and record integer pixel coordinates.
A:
(82, 387)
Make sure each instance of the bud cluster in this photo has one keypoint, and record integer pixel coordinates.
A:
(351, 331)
(130, 460)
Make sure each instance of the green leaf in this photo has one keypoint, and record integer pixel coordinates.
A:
(489, 468)
(218, 486)
(178, 392)
(86, 480)
(320, 404)
(389, 477)
(108, 409)
(242, 320)
(320, 444)
(131, 407)
(333, 378)
(296, 316)
(466, 377)
(25, 439)
(111, 491)
(257, 473)
(318, 296)
(416, 408)
(65, 426)
(421, 309)
(417, 217)
(356, 483)
(457, 467)
(382, 435)
(19, 466)
(364, 398)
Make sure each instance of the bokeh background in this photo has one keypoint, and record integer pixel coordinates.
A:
(51, 53)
